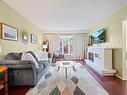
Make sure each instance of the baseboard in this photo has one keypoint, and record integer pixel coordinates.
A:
(122, 78)
(118, 76)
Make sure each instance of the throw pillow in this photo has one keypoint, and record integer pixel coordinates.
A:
(28, 56)
(12, 56)
(32, 53)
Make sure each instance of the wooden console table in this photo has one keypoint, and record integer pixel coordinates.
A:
(4, 79)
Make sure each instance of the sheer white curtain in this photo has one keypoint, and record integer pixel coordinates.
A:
(80, 42)
(53, 42)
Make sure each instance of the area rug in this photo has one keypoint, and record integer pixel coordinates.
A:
(78, 82)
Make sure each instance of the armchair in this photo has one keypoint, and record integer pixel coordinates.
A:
(57, 55)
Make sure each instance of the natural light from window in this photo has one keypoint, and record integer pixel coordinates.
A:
(66, 44)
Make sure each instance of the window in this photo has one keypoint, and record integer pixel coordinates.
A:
(66, 44)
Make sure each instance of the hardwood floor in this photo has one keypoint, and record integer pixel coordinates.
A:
(112, 84)
(18, 90)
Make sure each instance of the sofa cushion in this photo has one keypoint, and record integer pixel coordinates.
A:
(13, 56)
(28, 56)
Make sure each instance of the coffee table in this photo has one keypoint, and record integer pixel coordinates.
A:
(66, 65)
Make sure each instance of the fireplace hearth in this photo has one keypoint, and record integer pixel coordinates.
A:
(91, 56)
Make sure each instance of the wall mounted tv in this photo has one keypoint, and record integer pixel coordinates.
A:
(98, 36)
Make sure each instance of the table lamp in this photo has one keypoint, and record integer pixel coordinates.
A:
(45, 47)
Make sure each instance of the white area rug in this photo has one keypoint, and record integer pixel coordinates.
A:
(78, 82)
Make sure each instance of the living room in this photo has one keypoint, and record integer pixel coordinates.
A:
(61, 48)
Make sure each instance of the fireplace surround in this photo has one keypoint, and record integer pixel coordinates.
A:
(100, 59)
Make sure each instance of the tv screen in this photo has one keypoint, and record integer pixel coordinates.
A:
(99, 36)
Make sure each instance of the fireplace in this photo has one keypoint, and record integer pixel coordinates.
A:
(100, 59)
(91, 56)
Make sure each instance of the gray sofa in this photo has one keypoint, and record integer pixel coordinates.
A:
(23, 72)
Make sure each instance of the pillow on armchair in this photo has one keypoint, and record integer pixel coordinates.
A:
(58, 54)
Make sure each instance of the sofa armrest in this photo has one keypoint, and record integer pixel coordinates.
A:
(20, 71)
(18, 64)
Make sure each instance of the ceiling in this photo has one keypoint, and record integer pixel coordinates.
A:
(66, 15)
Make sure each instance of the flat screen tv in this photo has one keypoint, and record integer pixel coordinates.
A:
(98, 36)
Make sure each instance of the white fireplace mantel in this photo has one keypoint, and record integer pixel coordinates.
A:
(101, 61)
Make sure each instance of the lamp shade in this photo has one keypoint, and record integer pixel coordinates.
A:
(45, 46)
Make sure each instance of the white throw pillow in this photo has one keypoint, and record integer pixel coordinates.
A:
(28, 56)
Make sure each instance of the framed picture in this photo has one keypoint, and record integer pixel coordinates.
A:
(8, 32)
(33, 38)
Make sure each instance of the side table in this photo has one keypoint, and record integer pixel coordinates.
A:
(4, 79)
